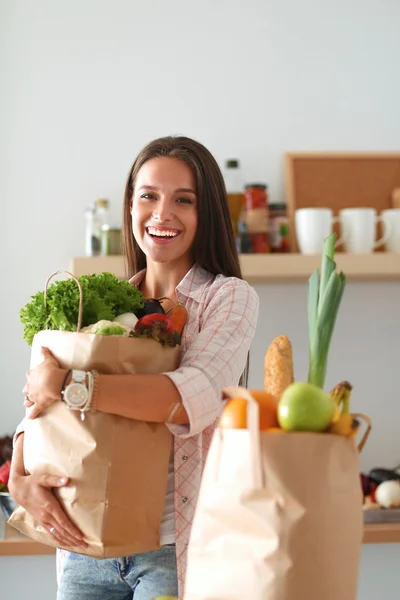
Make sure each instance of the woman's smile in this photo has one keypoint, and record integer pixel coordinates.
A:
(162, 235)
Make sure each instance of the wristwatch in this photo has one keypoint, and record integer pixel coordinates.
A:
(76, 394)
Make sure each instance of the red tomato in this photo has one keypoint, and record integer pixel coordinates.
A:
(5, 472)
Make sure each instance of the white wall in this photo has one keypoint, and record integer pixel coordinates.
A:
(86, 83)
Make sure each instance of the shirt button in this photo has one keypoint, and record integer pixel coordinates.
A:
(185, 457)
(184, 499)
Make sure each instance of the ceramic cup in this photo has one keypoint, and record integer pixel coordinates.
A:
(392, 219)
(359, 230)
(312, 226)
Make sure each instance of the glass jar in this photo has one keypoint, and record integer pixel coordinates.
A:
(111, 240)
(255, 216)
(278, 228)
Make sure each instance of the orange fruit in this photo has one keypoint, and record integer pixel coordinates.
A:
(234, 415)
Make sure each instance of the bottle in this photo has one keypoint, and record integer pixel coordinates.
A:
(96, 219)
(92, 241)
(278, 228)
(255, 216)
(234, 189)
(103, 225)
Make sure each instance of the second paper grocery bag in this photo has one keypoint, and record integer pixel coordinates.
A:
(279, 516)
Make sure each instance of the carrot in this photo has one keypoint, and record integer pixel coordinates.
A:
(178, 315)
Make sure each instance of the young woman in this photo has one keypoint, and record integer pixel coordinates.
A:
(179, 243)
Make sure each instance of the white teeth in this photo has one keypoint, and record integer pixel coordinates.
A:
(162, 232)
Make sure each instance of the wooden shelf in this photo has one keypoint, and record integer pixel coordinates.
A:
(14, 543)
(382, 533)
(273, 268)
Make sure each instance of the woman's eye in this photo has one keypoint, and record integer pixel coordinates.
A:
(184, 200)
(148, 196)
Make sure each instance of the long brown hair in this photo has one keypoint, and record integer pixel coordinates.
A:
(214, 247)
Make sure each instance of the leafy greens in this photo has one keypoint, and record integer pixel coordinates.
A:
(104, 297)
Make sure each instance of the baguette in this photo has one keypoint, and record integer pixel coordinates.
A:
(278, 366)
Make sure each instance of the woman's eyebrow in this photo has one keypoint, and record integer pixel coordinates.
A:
(151, 187)
(187, 190)
(147, 187)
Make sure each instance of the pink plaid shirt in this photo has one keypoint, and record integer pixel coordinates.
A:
(222, 318)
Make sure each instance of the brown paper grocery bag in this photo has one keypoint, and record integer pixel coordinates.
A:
(118, 467)
(279, 516)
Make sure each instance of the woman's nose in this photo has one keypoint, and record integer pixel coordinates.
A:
(163, 210)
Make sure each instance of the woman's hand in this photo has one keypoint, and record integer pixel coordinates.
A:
(34, 493)
(43, 384)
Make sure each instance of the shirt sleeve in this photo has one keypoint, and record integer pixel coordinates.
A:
(217, 356)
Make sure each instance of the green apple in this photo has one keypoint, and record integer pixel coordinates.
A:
(305, 407)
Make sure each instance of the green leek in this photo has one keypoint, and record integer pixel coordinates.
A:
(325, 293)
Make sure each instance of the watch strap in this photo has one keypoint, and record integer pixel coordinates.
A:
(78, 376)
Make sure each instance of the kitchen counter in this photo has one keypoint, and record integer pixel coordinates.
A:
(13, 543)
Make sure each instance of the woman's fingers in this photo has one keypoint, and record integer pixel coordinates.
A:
(35, 410)
(59, 520)
(47, 355)
(35, 494)
(64, 527)
(62, 538)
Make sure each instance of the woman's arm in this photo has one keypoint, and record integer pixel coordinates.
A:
(152, 398)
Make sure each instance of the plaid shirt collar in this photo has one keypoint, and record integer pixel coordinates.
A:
(191, 286)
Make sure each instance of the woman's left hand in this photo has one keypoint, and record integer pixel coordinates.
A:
(43, 384)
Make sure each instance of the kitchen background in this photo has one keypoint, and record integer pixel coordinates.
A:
(86, 83)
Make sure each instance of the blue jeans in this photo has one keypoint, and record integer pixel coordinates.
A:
(141, 576)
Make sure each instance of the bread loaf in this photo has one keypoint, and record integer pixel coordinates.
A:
(278, 366)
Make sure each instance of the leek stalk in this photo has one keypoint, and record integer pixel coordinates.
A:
(325, 293)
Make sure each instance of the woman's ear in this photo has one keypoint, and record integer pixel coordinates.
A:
(130, 206)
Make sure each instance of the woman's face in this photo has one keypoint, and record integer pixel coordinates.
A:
(164, 210)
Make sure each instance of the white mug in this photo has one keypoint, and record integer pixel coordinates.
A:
(312, 226)
(391, 217)
(359, 230)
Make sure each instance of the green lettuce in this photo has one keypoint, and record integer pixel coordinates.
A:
(104, 297)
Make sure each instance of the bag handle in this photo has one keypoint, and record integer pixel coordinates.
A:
(80, 311)
(364, 438)
(253, 427)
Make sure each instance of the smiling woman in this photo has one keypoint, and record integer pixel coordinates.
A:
(164, 214)
(179, 243)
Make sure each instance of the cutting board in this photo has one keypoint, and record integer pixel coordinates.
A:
(383, 515)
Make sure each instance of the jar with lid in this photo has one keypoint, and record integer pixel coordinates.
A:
(278, 228)
(255, 216)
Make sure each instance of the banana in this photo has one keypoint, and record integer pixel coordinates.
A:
(343, 423)
(341, 392)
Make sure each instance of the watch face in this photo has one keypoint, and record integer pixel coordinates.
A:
(76, 395)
